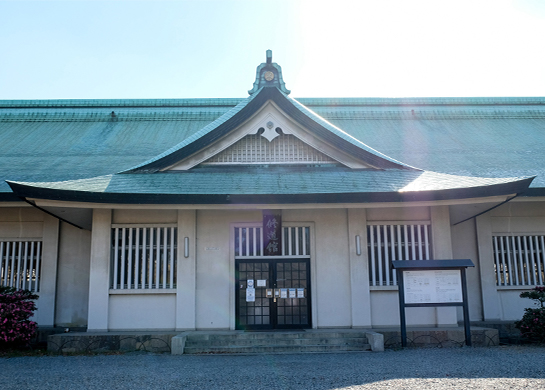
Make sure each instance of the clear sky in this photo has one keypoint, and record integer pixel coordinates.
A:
(180, 49)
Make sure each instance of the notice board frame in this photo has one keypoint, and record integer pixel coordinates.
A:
(432, 265)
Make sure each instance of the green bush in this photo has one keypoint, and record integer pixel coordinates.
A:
(532, 324)
(16, 308)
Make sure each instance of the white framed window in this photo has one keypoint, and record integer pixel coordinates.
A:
(519, 259)
(143, 257)
(395, 241)
(20, 263)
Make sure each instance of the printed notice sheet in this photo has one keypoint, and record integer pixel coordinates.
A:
(432, 286)
(250, 295)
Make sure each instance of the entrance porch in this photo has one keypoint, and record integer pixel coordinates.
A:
(264, 342)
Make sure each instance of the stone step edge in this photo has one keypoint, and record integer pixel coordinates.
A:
(375, 340)
(265, 336)
(272, 348)
(192, 343)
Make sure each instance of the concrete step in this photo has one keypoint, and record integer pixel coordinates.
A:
(241, 335)
(276, 349)
(275, 342)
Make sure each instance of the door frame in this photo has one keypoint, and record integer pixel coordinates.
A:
(312, 257)
(273, 271)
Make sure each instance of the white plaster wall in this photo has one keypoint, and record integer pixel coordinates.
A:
(385, 311)
(145, 216)
(149, 311)
(399, 214)
(72, 300)
(519, 217)
(513, 305)
(332, 303)
(21, 222)
(464, 246)
(215, 279)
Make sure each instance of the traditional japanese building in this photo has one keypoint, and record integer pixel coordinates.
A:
(267, 212)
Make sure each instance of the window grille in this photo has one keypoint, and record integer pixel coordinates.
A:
(519, 260)
(143, 257)
(295, 241)
(255, 149)
(20, 264)
(395, 242)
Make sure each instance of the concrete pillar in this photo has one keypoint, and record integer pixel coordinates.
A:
(442, 250)
(490, 297)
(360, 295)
(48, 277)
(99, 273)
(187, 267)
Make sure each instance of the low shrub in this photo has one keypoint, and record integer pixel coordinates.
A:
(16, 308)
(532, 324)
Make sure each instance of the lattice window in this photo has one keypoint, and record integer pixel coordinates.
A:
(20, 263)
(284, 149)
(519, 260)
(395, 242)
(295, 242)
(143, 257)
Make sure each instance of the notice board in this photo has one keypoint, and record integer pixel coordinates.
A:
(432, 286)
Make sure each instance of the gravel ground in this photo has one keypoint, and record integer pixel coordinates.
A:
(511, 367)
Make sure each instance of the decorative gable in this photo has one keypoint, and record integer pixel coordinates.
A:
(269, 137)
(257, 149)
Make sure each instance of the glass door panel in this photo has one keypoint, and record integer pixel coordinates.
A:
(289, 309)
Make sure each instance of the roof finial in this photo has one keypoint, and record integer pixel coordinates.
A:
(269, 74)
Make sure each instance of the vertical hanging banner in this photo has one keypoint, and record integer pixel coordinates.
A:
(272, 233)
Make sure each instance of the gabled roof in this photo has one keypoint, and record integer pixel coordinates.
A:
(70, 150)
(387, 181)
(244, 110)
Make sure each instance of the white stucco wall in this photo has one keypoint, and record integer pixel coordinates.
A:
(464, 246)
(142, 312)
(72, 299)
(332, 266)
(215, 274)
(21, 222)
(385, 311)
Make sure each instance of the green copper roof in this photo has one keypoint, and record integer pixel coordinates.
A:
(244, 110)
(271, 181)
(73, 139)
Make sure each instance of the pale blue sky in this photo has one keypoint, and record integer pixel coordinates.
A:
(179, 49)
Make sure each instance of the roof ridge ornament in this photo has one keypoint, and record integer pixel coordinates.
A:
(269, 74)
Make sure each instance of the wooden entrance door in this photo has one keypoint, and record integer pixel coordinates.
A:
(290, 309)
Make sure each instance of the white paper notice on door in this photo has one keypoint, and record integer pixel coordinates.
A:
(283, 293)
(250, 283)
(300, 293)
(250, 295)
(292, 292)
(261, 282)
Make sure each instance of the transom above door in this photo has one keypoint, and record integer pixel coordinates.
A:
(295, 242)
